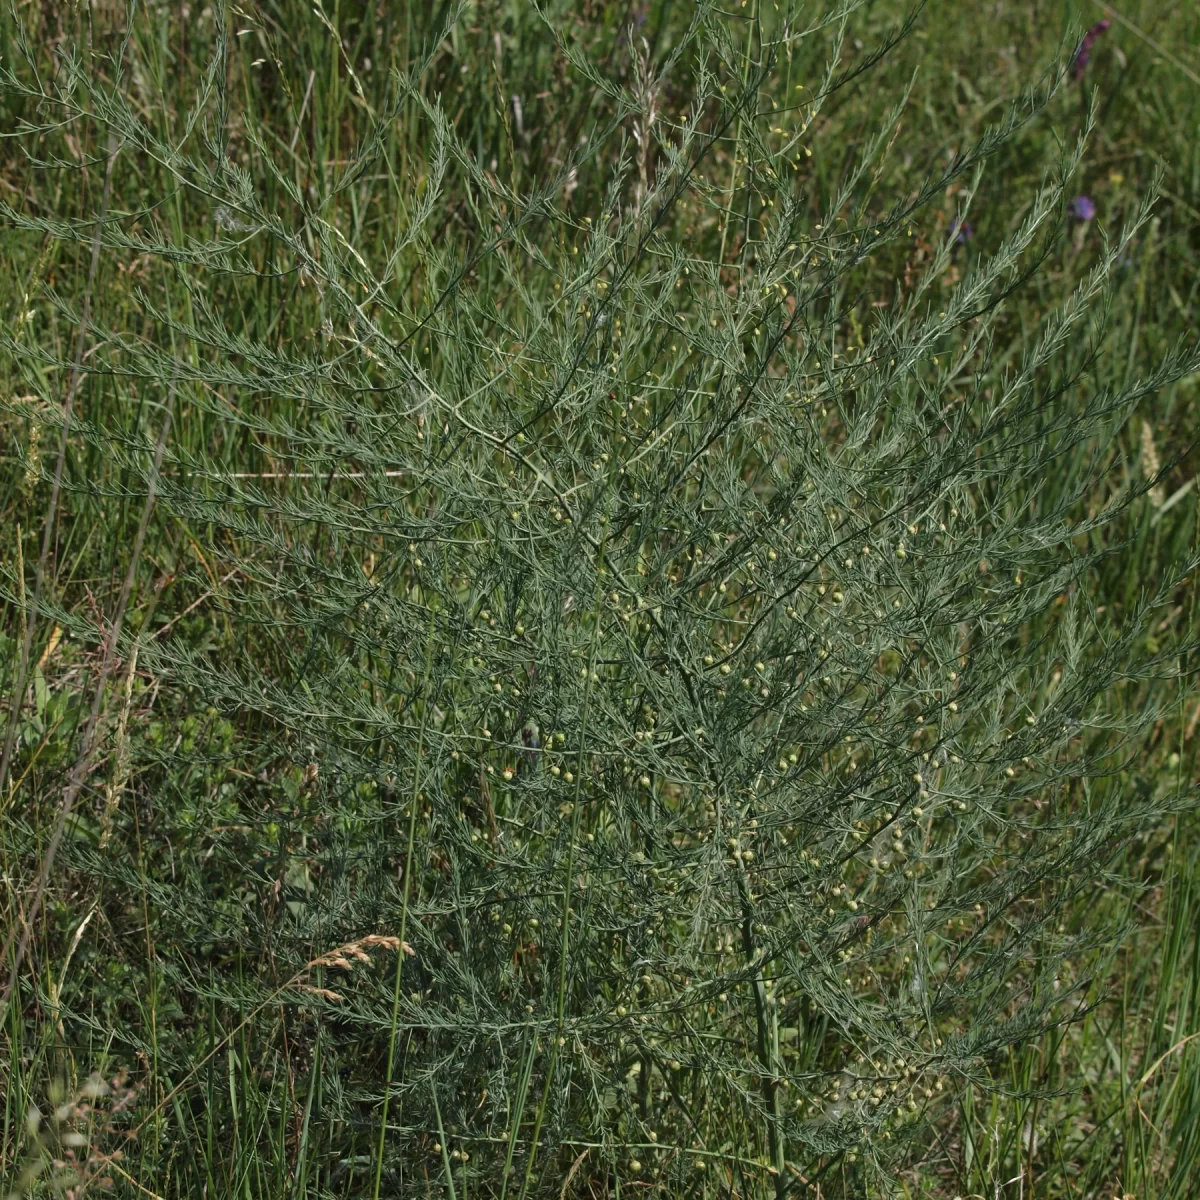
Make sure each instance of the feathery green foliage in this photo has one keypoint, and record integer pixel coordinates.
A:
(583, 686)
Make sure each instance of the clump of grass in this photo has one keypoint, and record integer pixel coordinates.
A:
(584, 570)
(76, 1146)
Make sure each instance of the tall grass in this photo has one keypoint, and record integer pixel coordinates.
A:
(589, 610)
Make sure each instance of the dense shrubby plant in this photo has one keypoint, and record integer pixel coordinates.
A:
(641, 722)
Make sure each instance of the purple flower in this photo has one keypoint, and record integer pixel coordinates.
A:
(1079, 63)
(1082, 208)
(962, 232)
(639, 19)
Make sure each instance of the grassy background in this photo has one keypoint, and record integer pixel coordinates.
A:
(1106, 1106)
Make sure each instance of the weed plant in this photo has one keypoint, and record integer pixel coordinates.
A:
(572, 608)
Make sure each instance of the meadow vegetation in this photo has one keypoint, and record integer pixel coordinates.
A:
(599, 598)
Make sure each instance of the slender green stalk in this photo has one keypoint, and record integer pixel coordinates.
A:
(568, 884)
(413, 807)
